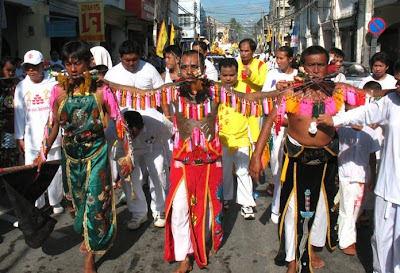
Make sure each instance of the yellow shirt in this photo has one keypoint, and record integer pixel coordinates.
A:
(259, 73)
(234, 127)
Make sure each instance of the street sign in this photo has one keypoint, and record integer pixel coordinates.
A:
(376, 26)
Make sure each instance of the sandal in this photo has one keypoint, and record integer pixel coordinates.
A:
(270, 189)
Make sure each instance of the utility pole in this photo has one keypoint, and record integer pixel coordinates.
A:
(369, 11)
(336, 34)
(194, 20)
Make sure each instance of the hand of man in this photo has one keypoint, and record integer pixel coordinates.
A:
(325, 120)
(281, 85)
(246, 73)
(255, 168)
(21, 146)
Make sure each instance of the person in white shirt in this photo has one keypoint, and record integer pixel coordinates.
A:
(172, 55)
(101, 56)
(336, 57)
(32, 107)
(55, 62)
(279, 76)
(133, 71)
(150, 130)
(210, 70)
(380, 64)
(357, 171)
(386, 237)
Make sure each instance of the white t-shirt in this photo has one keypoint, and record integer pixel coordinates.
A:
(355, 148)
(339, 78)
(167, 76)
(156, 131)
(384, 112)
(211, 72)
(389, 82)
(145, 76)
(32, 107)
(274, 76)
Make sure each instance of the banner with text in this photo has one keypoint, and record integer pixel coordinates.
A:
(91, 21)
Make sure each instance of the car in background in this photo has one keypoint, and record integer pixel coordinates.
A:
(354, 73)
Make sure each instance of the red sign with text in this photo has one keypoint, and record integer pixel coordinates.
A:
(143, 9)
(91, 21)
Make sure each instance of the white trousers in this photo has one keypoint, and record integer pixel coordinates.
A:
(180, 225)
(352, 196)
(386, 239)
(55, 189)
(244, 194)
(151, 166)
(276, 168)
(318, 229)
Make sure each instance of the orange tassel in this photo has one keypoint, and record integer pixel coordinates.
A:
(142, 103)
(123, 99)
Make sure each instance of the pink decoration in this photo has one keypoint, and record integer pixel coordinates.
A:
(196, 136)
(138, 98)
(147, 101)
(223, 95)
(203, 140)
(118, 95)
(233, 102)
(265, 106)
(305, 107)
(158, 98)
(330, 106)
(128, 102)
(108, 97)
(351, 97)
(168, 95)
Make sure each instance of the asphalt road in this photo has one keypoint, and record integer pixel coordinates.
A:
(248, 246)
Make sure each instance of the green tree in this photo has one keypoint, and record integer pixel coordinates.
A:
(235, 25)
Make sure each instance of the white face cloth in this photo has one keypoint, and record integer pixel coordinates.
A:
(101, 56)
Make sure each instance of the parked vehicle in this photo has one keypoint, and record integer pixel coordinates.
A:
(354, 73)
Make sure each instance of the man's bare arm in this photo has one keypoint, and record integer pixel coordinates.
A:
(255, 166)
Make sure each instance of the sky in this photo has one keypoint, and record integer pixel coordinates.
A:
(242, 10)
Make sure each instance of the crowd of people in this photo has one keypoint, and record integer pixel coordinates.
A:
(330, 145)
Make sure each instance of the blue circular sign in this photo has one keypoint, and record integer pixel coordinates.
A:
(376, 26)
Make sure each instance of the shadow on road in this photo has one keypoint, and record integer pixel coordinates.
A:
(125, 238)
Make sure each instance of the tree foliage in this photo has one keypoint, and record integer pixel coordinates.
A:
(235, 25)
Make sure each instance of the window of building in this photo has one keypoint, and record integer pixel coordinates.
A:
(184, 20)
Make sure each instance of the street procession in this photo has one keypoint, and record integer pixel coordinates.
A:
(199, 136)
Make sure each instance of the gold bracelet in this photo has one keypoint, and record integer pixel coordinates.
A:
(168, 116)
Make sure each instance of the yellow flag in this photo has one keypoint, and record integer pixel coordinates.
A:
(172, 36)
(269, 34)
(162, 40)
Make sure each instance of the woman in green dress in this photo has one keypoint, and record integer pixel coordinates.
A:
(79, 107)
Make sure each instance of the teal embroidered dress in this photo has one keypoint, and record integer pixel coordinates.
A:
(86, 171)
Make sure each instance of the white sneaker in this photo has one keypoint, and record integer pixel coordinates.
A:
(136, 221)
(58, 209)
(159, 219)
(247, 213)
(122, 198)
(274, 218)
